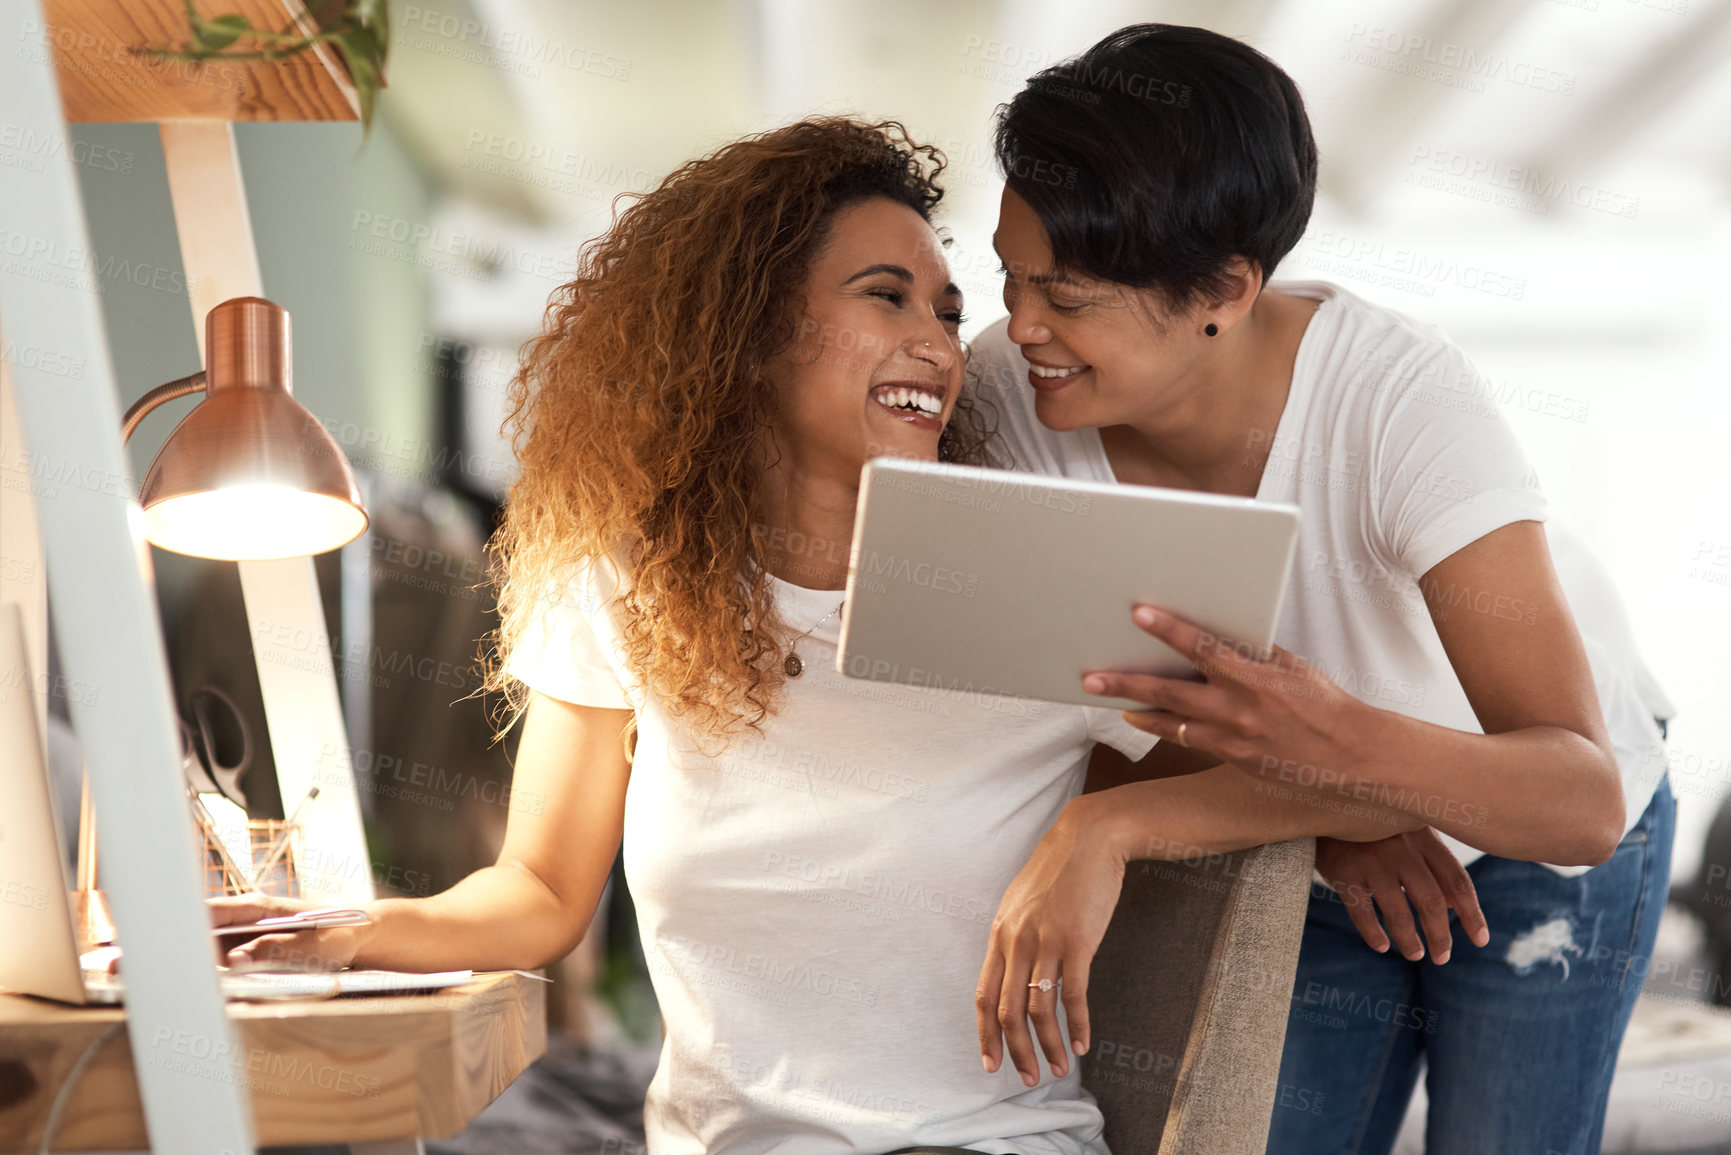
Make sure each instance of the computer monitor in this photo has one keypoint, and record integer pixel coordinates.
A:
(38, 939)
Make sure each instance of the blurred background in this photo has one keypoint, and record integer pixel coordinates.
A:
(1549, 180)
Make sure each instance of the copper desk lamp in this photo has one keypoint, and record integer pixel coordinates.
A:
(249, 474)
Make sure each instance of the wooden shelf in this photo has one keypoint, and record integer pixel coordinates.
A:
(103, 79)
(337, 1071)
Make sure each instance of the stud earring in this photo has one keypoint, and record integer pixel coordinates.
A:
(1211, 329)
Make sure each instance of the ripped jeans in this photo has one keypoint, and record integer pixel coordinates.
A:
(1519, 1039)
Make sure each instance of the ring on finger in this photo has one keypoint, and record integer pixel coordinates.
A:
(1045, 984)
(1182, 726)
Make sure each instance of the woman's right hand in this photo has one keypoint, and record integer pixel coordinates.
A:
(1049, 924)
(1400, 874)
(331, 948)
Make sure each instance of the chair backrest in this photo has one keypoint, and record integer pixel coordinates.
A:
(1188, 998)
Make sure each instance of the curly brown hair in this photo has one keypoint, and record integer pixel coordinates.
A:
(637, 412)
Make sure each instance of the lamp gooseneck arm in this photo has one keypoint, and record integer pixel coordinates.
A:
(157, 396)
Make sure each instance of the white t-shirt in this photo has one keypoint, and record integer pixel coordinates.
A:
(815, 902)
(1396, 458)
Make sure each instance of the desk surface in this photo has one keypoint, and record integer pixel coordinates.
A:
(346, 1070)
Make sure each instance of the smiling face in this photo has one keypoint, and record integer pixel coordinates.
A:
(1099, 353)
(876, 364)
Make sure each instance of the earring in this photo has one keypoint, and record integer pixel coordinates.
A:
(1211, 329)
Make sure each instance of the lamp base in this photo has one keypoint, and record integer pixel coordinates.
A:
(91, 920)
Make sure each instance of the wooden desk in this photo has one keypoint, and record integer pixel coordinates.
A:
(344, 1070)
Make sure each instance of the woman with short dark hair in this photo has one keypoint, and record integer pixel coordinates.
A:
(1428, 660)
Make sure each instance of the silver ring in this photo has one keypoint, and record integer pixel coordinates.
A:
(1181, 741)
(1045, 985)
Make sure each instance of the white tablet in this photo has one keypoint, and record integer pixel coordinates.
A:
(985, 581)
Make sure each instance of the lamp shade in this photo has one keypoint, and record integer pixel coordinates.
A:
(249, 473)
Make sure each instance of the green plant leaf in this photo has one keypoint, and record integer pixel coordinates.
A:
(360, 30)
(364, 56)
(218, 33)
(381, 25)
(374, 14)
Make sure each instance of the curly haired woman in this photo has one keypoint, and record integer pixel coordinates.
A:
(815, 862)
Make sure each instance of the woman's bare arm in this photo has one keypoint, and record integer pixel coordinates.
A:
(1540, 784)
(528, 909)
(1215, 808)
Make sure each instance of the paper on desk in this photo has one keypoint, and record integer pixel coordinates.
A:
(328, 984)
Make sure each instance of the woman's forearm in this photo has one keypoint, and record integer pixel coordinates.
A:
(1541, 793)
(498, 918)
(1220, 810)
(1540, 784)
(532, 906)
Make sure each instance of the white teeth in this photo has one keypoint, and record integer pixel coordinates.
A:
(1042, 371)
(911, 400)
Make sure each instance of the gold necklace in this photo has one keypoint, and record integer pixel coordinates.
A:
(794, 665)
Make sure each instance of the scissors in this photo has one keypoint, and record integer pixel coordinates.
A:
(198, 754)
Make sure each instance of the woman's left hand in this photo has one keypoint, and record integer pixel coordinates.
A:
(1255, 712)
(1049, 924)
(1414, 871)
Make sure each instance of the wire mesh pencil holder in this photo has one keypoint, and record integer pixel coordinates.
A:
(271, 867)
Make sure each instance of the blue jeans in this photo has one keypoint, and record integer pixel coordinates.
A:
(1519, 1038)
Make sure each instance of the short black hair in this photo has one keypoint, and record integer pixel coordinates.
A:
(1158, 155)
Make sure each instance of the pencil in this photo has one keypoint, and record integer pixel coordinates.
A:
(280, 842)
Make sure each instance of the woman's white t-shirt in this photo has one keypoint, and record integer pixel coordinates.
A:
(815, 902)
(1396, 457)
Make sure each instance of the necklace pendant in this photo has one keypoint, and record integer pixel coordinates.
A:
(793, 666)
